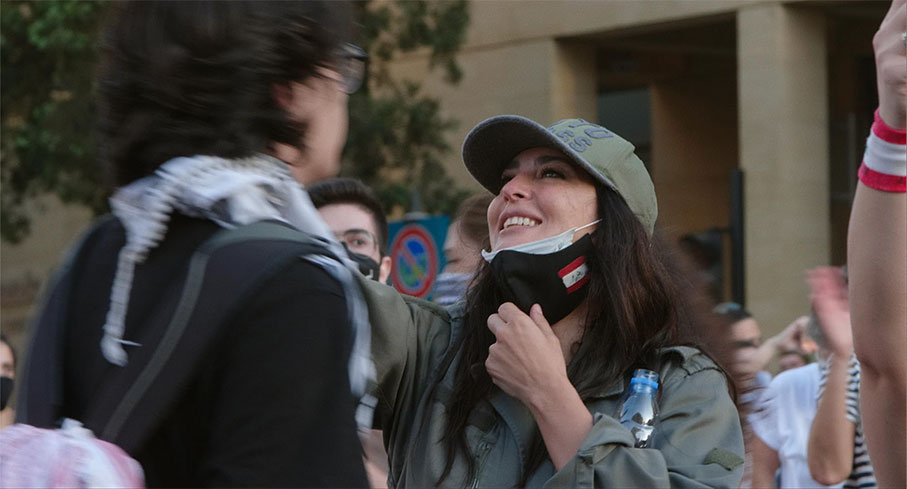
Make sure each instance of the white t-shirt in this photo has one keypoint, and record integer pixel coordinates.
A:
(788, 407)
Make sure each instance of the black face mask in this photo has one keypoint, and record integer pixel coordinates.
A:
(367, 266)
(556, 281)
(6, 389)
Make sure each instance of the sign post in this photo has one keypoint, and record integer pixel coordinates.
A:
(416, 254)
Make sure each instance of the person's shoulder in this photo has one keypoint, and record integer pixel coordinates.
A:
(105, 232)
(686, 367)
(688, 360)
(686, 371)
(271, 252)
(385, 299)
(308, 273)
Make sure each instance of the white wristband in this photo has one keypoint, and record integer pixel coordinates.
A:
(884, 157)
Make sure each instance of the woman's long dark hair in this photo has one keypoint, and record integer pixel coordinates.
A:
(182, 78)
(637, 304)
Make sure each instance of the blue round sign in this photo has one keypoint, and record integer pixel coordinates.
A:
(415, 261)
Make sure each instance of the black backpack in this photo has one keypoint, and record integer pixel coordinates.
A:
(222, 269)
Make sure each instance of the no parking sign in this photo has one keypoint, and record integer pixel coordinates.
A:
(416, 254)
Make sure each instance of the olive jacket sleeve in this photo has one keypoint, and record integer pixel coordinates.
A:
(409, 338)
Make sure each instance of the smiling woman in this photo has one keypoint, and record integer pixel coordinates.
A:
(519, 385)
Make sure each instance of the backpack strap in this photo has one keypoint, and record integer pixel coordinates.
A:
(222, 273)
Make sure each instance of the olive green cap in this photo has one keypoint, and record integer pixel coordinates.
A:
(494, 142)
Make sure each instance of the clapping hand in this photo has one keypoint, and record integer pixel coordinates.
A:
(829, 298)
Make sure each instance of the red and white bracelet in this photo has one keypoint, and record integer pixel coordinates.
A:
(885, 160)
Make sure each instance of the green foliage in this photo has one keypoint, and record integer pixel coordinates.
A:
(396, 139)
(47, 108)
(49, 59)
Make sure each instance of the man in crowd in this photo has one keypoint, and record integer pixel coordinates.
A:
(741, 349)
(747, 354)
(352, 211)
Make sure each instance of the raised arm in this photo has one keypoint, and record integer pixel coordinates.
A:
(877, 260)
(830, 448)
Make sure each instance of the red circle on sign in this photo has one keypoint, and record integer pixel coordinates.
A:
(417, 233)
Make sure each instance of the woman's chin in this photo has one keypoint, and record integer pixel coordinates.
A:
(516, 235)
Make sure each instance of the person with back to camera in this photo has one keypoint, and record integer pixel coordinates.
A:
(212, 114)
(519, 385)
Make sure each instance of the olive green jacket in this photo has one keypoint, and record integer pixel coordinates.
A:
(697, 440)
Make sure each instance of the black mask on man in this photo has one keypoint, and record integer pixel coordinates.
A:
(556, 281)
(370, 268)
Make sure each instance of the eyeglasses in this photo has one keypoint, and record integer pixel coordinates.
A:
(359, 241)
(352, 63)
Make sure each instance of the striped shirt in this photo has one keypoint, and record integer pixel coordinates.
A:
(862, 475)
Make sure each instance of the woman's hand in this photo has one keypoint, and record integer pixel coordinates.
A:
(888, 44)
(828, 295)
(526, 360)
(528, 363)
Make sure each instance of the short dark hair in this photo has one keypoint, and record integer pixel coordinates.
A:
(197, 78)
(352, 191)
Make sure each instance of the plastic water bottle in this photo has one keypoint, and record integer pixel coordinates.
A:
(639, 408)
